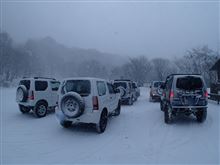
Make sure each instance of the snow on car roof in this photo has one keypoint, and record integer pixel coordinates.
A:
(84, 78)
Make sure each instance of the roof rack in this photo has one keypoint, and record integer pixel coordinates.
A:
(183, 74)
(122, 80)
(41, 78)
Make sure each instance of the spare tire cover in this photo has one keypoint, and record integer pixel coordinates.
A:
(122, 91)
(21, 94)
(159, 91)
(72, 104)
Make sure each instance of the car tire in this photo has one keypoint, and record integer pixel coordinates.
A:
(40, 109)
(101, 126)
(21, 93)
(167, 114)
(201, 115)
(72, 105)
(66, 124)
(161, 106)
(24, 109)
(130, 101)
(118, 110)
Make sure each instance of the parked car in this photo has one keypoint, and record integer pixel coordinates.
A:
(38, 94)
(155, 90)
(184, 93)
(87, 100)
(137, 89)
(128, 93)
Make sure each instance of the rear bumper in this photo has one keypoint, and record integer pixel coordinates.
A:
(189, 107)
(124, 100)
(89, 117)
(156, 97)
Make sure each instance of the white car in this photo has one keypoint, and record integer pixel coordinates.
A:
(128, 93)
(87, 100)
(37, 94)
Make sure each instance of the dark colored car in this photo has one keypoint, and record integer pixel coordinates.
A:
(184, 93)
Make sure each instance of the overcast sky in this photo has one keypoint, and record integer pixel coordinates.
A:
(127, 28)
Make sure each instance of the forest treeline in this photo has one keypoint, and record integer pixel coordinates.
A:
(46, 57)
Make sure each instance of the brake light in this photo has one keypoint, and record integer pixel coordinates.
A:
(171, 94)
(206, 94)
(95, 103)
(31, 97)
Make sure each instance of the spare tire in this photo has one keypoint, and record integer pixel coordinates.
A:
(21, 94)
(72, 104)
(159, 91)
(122, 91)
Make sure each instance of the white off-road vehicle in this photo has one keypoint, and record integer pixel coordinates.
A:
(87, 100)
(128, 93)
(37, 94)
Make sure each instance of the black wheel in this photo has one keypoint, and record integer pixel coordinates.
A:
(130, 101)
(101, 126)
(118, 110)
(66, 124)
(201, 115)
(40, 110)
(167, 114)
(24, 109)
(161, 106)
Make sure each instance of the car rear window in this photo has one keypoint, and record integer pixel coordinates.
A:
(26, 83)
(134, 85)
(55, 85)
(189, 83)
(83, 87)
(41, 85)
(157, 84)
(120, 84)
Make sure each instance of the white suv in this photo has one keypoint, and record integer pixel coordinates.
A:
(128, 93)
(87, 100)
(37, 94)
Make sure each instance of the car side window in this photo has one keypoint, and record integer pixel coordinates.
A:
(41, 85)
(101, 88)
(169, 83)
(110, 88)
(55, 85)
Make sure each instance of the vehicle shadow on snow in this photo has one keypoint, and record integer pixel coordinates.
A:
(184, 120)
(86, 128)
(31, 115)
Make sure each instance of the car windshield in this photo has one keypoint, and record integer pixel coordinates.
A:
(189, 83)
(157, 84)
(82, 87)
(120, 84)
(26, 83)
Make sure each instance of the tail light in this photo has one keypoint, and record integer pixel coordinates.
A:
(95, 103)
(206, 94)
(171, 95)
(31, 97)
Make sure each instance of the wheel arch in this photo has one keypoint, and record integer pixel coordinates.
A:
(42, 101)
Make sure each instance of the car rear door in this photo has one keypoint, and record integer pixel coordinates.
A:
(112, 97)
(54, 86)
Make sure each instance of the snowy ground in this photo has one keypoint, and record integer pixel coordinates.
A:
(138, 135)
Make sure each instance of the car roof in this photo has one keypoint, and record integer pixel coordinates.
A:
(184, 75)
(84, 78)
(157, 81)
(39, 78)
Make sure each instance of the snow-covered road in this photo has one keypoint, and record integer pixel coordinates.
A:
(138, 135)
